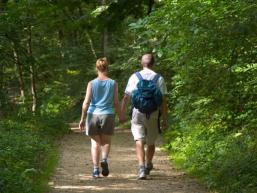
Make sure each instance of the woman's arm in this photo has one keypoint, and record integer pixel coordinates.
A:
(85, 105)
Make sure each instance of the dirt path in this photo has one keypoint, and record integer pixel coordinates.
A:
(73, 174)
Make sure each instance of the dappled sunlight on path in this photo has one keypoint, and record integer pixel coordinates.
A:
(73, 173)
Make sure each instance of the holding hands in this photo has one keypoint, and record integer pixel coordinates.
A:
(122, 118)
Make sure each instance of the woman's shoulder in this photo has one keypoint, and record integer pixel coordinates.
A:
(112, 81)
(92, 81)
(109, 81)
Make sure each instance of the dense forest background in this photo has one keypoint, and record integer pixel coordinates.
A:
(205, 49)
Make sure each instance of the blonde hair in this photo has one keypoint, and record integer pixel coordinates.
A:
(102, 64)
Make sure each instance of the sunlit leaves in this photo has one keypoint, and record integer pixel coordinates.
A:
(99, 10)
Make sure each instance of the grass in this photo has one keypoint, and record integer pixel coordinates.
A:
(48, 170)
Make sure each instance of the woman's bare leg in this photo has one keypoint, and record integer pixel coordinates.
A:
(105, 145)
(95, 149)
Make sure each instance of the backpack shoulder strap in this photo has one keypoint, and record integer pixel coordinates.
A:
(156, 78)
(139, 76)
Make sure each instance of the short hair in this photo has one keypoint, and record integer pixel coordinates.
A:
(102, 64)
(147, 60)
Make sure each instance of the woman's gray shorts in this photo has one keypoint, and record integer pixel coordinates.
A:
(100, 124)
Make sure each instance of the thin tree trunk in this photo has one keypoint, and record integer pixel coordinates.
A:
(60, 37)
(32, 72)
(91, 44)
(1, 76)
(150, 6)
(2, 4)
(1, 85)
(105, 42)
(2, 98)
(19, 72)
(88, 35)
(105, 36)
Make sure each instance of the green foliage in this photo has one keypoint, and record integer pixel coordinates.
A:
(23, 154)
(221, 160)
(63, 41)
(207, 52)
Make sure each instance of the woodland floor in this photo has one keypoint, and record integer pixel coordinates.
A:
(73, 173)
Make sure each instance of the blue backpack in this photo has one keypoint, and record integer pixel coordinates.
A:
(148, 97)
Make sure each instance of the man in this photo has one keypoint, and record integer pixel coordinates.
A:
(145, 128)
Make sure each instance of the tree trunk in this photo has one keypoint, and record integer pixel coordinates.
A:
(60, 45)
(2, 91)
(150, 6)
(1, 86)
(105, 37)
(88, 35)
(32, 72)
(91, 44)
(19, 72)
(105, 42)
(2, 4)
(1, 76)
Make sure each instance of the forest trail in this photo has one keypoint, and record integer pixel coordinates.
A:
(73, 173)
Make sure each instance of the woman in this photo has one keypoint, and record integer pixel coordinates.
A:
(101, 96)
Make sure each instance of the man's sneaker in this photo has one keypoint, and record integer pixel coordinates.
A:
(148, 168)
(96, 173)
(105, 168)
(141, 173)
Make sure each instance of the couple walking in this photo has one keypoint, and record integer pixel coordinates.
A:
(146, 90)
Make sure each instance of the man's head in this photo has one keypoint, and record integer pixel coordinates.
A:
(147, 60)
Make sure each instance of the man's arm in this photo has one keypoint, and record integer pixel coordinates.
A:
(164, 106)
(116, 101)
(85, 105)
(164, 113)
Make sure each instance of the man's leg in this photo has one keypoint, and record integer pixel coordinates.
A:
(140, 152)
(150, 152)
(138, 131)
(149, 157)
(152, 134)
